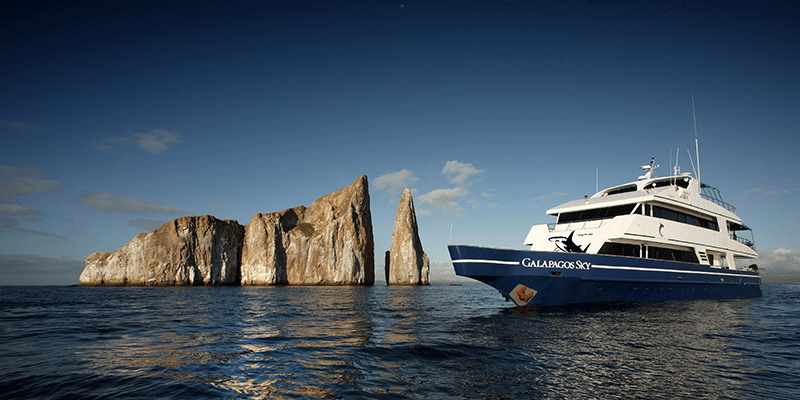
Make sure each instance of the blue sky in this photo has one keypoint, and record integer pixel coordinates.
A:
(117, 117)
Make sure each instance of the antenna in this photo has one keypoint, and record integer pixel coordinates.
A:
(696, 147)
(690, 160)
(451, 234)
(597, 179)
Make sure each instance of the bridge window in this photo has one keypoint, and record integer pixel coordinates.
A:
(595, 214)
(666, 213)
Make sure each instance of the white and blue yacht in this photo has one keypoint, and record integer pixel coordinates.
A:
(654, 239)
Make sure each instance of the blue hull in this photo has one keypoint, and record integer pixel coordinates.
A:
(555, 278)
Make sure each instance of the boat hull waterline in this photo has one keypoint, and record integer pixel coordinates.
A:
(557, 278)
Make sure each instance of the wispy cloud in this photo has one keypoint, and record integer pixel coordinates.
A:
(772, 192)
(19, 126)
(153, 142)
(10, 224)
(548, 197)
(395, 182)
(18, 209)
(780, 260)
(108, 202)
(444, 198)
(460, 173)
(24, 182)
(157, 140)
(27, 185)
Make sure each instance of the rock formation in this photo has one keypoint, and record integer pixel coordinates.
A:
(406, 263)
(185, 251)
(328, 243)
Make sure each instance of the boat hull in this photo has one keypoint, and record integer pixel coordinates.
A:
(556, 278)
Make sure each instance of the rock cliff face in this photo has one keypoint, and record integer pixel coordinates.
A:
(406, 263)
(185, 251)
(328, 243)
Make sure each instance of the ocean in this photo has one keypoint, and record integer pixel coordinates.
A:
(433, 342)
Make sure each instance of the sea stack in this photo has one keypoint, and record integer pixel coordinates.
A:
(200, 250)
(406, 262)
(328, 243)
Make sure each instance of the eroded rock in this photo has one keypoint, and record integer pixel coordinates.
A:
(406, 263)
(199, 250)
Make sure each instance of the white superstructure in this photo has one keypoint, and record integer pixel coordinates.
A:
(673, 218)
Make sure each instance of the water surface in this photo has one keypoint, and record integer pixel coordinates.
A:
(438, 342)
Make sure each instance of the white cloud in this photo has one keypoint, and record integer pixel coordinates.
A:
(9, 224)
(154, 142)
(444, 198)
(27, 185)
(460, 173)
(157, 140)
(395, 182)
(24, 182)
(549, 196)
(122, 205)
(780, 260)
(18, 209)
(772, 192)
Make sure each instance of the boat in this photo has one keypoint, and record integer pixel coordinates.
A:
(650, 240)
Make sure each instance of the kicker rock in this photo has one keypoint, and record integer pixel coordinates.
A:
(328, 243)
(406, 263)
(198, 250)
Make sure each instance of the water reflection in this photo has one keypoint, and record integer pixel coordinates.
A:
(410, 342)
(677, 350)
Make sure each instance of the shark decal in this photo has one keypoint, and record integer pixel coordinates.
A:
(567, 245)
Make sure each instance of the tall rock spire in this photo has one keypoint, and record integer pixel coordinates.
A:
(406, 263)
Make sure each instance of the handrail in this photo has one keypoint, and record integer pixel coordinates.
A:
(743, 240)
(711, 194)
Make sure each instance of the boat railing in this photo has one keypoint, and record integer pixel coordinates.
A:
(749, 242)
(571, 226)
(711, 194)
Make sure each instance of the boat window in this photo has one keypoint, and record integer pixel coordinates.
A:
(680, 182)
(622, 189)
(620, 249)
(666, 213)
(662, 253)
(595, 214)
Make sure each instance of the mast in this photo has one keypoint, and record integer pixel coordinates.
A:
(696, 147)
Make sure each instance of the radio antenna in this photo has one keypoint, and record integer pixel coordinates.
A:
(696, 147)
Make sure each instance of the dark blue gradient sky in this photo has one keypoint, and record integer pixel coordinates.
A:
(117, 117)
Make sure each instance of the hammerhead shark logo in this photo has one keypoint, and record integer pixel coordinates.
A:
(566, 244)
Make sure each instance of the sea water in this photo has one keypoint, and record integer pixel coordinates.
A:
(434, 342)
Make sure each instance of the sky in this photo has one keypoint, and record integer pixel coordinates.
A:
(116, 117)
